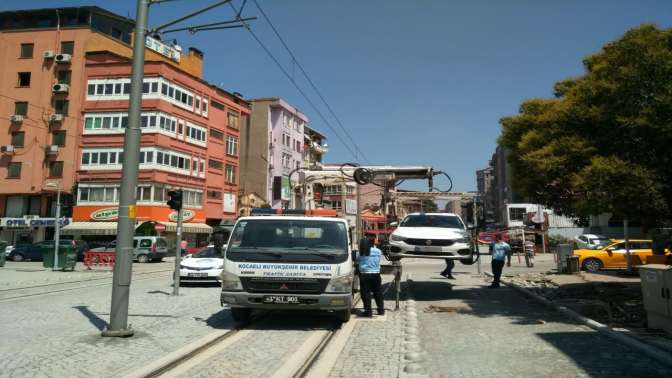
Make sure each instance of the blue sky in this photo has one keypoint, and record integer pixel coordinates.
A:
(413, 81)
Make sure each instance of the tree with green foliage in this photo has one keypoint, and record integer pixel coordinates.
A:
(604, 143)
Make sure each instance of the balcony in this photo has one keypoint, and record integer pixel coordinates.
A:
(319, 148)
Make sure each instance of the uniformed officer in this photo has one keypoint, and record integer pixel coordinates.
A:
(369, 279)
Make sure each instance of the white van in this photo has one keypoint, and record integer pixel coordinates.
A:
(288, 262)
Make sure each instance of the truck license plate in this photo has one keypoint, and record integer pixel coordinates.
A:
(278, 299)
(197, 274)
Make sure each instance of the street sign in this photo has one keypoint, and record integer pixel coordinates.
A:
(160, 227)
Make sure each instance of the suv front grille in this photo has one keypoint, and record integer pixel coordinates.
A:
(284, 285)
(432, 242)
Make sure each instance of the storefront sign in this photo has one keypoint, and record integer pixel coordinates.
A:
(107, 214)
(229, 203)
(32, 222)
(187, 215)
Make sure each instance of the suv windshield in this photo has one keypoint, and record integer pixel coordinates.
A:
(422, 220)
(289, 240)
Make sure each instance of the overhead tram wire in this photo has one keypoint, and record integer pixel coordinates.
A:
(291, 79)
(310, 81)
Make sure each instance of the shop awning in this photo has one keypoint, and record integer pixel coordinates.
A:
(90, 228)
(194, 228)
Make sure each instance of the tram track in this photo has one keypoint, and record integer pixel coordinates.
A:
(297, 364)
(154, 275)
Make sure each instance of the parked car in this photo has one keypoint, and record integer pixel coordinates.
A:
(35, 251)
(205, 265)
(612, 254)
(145, 248)
(431, 235)
(585, 241)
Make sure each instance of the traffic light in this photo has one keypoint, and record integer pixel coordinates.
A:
(175, 199)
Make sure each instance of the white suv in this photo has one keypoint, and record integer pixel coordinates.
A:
(431, 235)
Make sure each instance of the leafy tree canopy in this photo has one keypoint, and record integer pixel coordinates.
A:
(604, 143)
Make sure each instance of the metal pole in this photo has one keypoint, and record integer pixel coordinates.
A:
(121, 280)
(57, 229)
(627, 245)
(475, 237)
(358, 228)
(178, 254)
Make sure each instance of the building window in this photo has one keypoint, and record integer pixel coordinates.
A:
(24, 79)
(27, 50)
(21, 108)
(517, 213)
(64, 76)
(58, 138)
(215, 134)
(61, 106)
(14, 170)
(230, 174)
(217, 105)
(233, 120)
(67, 47)
(232, 145)
(17, 138)
(214, 194)
(215, 164)
(56, 169)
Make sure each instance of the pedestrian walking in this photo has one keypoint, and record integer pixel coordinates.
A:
(448, 271)
(369, 279)
(499, 252)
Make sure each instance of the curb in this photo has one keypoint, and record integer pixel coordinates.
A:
(650, 351)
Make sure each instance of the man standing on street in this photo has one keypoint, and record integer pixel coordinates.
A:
(499, 251)
(448, 271)
(369, 279)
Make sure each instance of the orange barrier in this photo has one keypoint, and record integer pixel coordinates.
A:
(99, 259)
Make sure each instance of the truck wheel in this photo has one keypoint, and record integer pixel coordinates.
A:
(343, 315)
(241, 314)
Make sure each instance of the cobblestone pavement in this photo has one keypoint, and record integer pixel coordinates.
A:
(59, 335)
(374, 347)
(473, 331)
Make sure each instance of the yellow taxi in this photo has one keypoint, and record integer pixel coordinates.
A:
(611, 254)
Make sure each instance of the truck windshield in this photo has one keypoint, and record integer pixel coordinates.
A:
(289, 237)
(422, 220)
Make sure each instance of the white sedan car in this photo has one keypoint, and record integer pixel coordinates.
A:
(203, 266)
(431, 235)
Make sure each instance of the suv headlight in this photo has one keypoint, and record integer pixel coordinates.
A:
(341, 284)
(397, 238)
(230, 282)
(466, 238)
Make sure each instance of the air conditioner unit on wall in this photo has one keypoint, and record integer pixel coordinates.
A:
(7, 149)
(56, 118)
(63, 58)
(48, 54)
(16, 118)
(60, 88)
(51, 149)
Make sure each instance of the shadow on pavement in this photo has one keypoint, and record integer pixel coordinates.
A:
(97, 322)
(158, 292)
(602, 359)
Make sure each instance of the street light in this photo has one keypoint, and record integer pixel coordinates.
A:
(57, 223)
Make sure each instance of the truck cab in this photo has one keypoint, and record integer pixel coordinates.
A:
(288, 262)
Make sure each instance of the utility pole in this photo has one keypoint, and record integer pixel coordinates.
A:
(178, 254)
(358, 228)
(121, 280)
(627, 245)
(57, 228)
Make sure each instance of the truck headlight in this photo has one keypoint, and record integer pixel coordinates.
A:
(230, 282)
(341, 284)
(397, 238)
